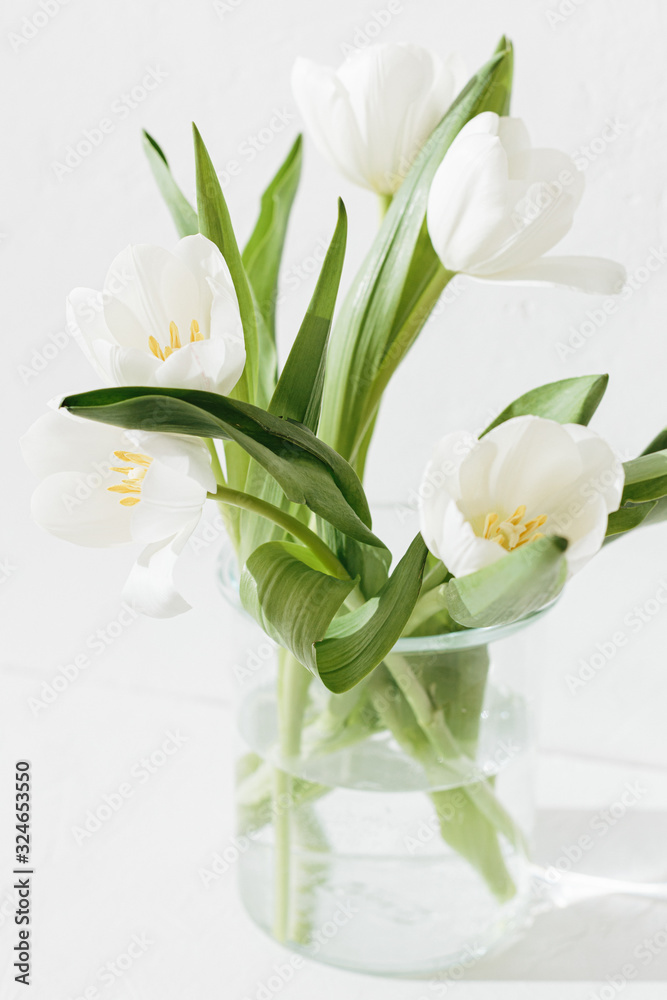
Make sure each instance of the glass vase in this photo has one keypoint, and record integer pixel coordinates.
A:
(387, 830)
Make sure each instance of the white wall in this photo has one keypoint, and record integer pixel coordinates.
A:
(228, 69)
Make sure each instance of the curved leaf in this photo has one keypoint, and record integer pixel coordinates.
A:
(284, 588)
(296, 604)
(308, 471)
(356, 643)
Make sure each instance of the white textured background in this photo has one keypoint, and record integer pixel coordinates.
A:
(579, 66)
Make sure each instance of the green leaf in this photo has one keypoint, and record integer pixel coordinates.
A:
(296, 604)
(356, 643)
(298, 394)
(399, 281)
(369, 563)
(308, 471)
(659, 443)
(215, 223)
(284, 588)
(645, 478)
(626, 518)
(182, 212)
(263, 251)
(521, 582)
(299, 391)
(570, 401)
(644, 498)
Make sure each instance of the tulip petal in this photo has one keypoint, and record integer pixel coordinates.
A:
(169, 502)
(325, 107)
(160, 290)
(203, 258)
(542, 209)
(513, 134)
(85, 320)
(150, 587)
(186, 455)
(534, 458)
(461, 550)
(126, 365)
(211, 365)
(604, 475)
(371, 117)
(595, 275)
(398, 92)
(585, 532)
(77, 507)
(468, 207)
(58, 442)
(439, 485)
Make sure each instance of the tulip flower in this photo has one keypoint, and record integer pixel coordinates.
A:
(496, 206)
(526, 478)
(370, 117)
(163, 319)
(102, 486)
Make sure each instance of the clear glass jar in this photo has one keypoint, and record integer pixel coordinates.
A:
(390, 832)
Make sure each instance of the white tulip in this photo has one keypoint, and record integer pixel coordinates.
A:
(496, 206)
(163, 319)
(102, 486)
(370, 117)
(526, 478)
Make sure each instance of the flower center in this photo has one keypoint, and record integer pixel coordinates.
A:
(174, 340)
(513, 532)
(135, 470)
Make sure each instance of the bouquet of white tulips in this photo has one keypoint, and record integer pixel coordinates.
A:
(195, 411)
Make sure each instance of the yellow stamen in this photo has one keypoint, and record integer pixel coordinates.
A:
(517, 515)
(134, 457)
(155, 348)
(130, 487)
(513, 532)
(536, 522)
(162, 353)
(124, 488)
(174, 336)
(489, 523)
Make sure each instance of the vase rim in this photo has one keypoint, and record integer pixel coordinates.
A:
(467, 638)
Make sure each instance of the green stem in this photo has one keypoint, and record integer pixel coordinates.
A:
(293, 683)
(296, 528)
(215, 462)
(281, 853)
(231, 523)
(432, 721)
(463, 812)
